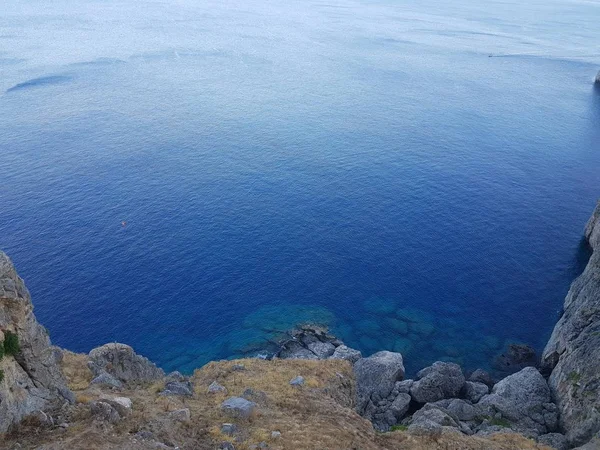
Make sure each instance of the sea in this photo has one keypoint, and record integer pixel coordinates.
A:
(195, 177)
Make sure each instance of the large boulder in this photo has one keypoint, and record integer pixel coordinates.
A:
(120, 361)
(572, 355)
(32, 377)
(436, 382)
(376, 376)
(523, 400)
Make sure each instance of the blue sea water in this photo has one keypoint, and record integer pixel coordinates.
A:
(364, 164)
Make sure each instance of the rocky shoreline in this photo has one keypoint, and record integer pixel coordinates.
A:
(556, 401)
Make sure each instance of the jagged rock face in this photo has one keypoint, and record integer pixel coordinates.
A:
(120, 361)
(573, 351)
(32, 378)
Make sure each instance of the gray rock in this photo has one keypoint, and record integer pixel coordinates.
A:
(229, 428)
(481, 376)
(439, 381)
(462, 410)
(376, 376)
(103, 411)
(144, 435)
(323, 350)
(597, 80)
(435, 415)
(120, 361)
(275, 434)
(347, 353)
(474, 391)
(183, 388)
(555, 440)
(295, 350)
(238, 367)
(297, 381)
(255, 396)
(105, 379)
(399, 407)
(215, 387)
(176, 376)
(524, 400)
(402, 387)
(226, 446)
(123, 405)
(34, 376)
(180, 415)
(238, 407)
(572, 355)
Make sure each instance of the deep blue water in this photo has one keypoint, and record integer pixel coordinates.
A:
(363, 164)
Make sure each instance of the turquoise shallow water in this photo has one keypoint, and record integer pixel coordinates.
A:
(367, 165)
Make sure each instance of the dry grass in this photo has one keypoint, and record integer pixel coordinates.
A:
(318, 415)
(76, 371)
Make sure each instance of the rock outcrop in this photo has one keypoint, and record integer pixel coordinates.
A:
(121, 362)
(31, 379)
(572, 355)
(598, 78)
(524, 402)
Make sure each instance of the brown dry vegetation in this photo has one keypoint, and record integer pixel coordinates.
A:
(318, 415)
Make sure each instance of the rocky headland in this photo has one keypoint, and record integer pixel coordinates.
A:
(312, 392)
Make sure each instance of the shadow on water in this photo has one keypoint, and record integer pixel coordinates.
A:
(40, 82)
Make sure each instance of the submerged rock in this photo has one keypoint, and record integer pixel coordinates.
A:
(515, 358)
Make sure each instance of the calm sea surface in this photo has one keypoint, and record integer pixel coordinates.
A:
(364, 164)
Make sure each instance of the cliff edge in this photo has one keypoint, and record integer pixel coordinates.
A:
(30, 375)
(572, 355)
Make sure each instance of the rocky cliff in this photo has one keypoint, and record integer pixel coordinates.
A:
(31, 375)
(572, 355)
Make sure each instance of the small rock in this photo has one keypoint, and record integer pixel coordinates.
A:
(263, 444)
(399, 406)
(216, 387)
(123, 405)
(106, 379)
(238, 367)
(481, 376)
(346, 353)
(275, 434)
(238, 407)
(183, 388)
(145, 435)
(180, 415)
(104, 411)
(226, 446)
(298, 381)
(323, 350)
(255, 396)
(175, 376)
(229, 429)
(474, 391)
